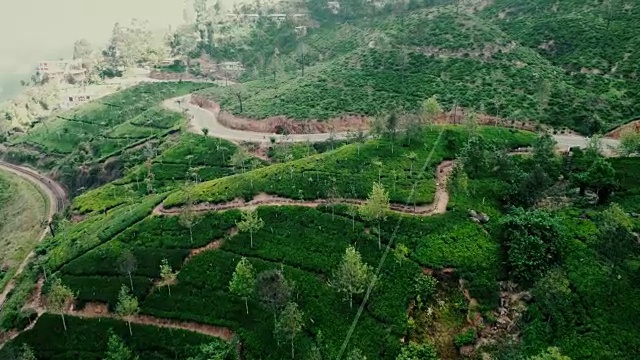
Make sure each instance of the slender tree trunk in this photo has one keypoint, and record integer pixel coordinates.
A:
(246, 305)
(292, 351)
(129, 323)
(130, 281)
(191, 233)
(169, 287)
(51, 229)
(251, 237)
(64, 323)
(353, 222)
(379, 241)
(45, 273)
(350, 301)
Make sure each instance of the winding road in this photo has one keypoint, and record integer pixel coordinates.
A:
(201, 118)
(57, 199)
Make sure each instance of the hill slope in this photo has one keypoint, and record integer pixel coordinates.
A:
(390, 63)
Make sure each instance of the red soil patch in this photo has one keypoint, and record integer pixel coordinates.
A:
(275, 124)
(214, 245)
(99, 310)
(617, 132)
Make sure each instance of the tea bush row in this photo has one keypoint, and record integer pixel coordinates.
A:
(86, 339)
(352, 170)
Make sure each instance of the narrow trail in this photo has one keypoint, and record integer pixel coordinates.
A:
(439, 205)
(95, 310)
(57, 198)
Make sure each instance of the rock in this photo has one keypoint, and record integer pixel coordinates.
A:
(473, 214)
(475, 220)
(484, 218)
(466, 350)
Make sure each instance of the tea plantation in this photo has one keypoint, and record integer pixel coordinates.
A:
(93, 144)
(417, 241)
(385, 63)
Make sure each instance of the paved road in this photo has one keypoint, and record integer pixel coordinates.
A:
(205, 118)
(57, 198)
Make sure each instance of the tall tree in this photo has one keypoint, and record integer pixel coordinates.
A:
(243, 281)
(58, 298)
(552, 353)
(600, 177)
(273, 289)
(533, 242)
(239, 158)
(216, 350)
(240, 92)
(250, 222)
(431, 109)
(616, 240)
(167, 275)
(376, 207)
(82, 49)
(629, 143)
(128, 265)
(183, 42)
(392, 127)
(302, 50)
(27, 353)
(127, 306)
(117, 350)
(412, 156)
(290, 324)
(201, 8)
(356, 354)
(187, 217)
(352, 275)
(415, 351)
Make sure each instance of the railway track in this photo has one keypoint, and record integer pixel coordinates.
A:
(52, 189)
(57, 197)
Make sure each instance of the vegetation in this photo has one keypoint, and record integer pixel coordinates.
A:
(22, 213)
(79, 144)
(534, 253)
(378, 65)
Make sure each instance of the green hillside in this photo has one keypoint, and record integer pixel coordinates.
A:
(94, 143)
(394, 62)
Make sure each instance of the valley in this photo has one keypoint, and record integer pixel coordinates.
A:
(420, 180)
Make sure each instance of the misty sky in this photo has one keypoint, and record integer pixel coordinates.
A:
(35, 29)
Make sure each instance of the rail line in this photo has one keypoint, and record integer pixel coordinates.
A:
(57, 198)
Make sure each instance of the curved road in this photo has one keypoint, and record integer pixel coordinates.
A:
(57, 198)
(206, 118)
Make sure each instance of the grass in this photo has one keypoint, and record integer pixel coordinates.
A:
(23, 207)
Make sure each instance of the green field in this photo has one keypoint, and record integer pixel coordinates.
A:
(23, 207)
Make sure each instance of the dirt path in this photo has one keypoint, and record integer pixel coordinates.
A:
(439, 205)
(94, 310)
(57, 198)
